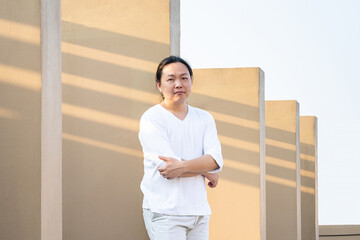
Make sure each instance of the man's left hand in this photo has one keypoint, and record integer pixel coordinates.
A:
(173, 168)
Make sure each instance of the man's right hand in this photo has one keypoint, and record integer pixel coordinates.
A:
(213, 179)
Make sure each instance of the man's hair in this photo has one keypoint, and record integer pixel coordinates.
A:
(168, 60)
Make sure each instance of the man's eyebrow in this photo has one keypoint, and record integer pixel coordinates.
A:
(184, 74)
(173, 75)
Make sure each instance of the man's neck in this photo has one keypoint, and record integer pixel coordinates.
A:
(180, 110)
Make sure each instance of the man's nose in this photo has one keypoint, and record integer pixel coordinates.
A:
(178, 83)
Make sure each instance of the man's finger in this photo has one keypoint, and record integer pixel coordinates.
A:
(164, 158)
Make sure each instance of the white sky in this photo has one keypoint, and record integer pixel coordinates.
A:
(310, 52)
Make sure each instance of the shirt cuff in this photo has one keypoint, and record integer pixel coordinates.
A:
(219, 160)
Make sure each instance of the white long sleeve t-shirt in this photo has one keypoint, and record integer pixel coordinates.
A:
(163, 134)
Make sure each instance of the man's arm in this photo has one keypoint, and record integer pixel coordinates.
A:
(175, 168)
(198, 166)
(212, 177)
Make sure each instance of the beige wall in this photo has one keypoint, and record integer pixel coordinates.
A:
(235, 98)
(339, 232)
(308, 161)
(20, 117)
(110, 50)
(282, 170)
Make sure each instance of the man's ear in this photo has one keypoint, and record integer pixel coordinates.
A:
(159, 86)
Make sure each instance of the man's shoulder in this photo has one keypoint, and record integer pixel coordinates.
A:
(152, 111)
(201, 113)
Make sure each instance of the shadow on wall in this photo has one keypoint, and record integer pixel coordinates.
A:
(107, 85)
(282, 195)
(284, 168)
(308, 198)
(76, 32)
(20, 111)
(281, 182)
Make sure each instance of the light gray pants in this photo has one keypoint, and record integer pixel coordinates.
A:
(175, 227)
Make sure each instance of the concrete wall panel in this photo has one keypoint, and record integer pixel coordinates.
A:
(308, 162)
(110, 50)
(339, 232)
(51, 121)
(20, 117)
(282, 170)
(235, 98)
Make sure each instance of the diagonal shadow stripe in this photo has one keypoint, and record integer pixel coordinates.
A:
(227, 107)
(22, 54)
(280, 153)
(13, 11)
(121, 44)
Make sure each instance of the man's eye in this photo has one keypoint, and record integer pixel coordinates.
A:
(184, 78)
(170, 79)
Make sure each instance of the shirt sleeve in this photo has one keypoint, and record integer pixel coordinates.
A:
(212, 144)
(154, 141)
